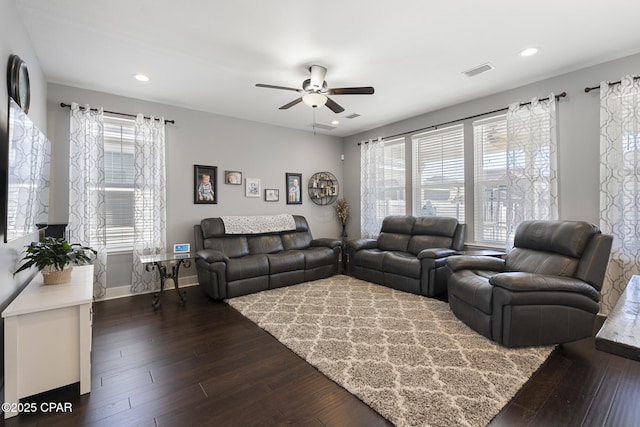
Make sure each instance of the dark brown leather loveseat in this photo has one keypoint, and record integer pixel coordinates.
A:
(409, 254)
(230, 265)
(546, 290)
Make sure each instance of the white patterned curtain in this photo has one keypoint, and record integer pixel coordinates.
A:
(150, 198)
(371, 169)
(532, 177)
(620, 183)
(87, 224)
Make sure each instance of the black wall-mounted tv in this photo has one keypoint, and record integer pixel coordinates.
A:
(28, 171)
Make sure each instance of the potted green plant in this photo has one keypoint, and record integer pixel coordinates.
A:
(55, 258)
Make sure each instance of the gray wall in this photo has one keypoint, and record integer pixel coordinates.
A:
(578, 138)
(257, 150)
(14, 40)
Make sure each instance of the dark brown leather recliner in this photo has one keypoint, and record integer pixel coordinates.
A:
(546, 290)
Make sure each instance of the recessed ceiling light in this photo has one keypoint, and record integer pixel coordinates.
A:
(529, 51)
(335, 122)
(141, 77)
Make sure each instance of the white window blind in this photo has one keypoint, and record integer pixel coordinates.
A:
(438, 173)
(119, 182)
(490, 180)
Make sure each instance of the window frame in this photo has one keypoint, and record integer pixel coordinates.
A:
(450, 162)
(495, 205)
(119, 239)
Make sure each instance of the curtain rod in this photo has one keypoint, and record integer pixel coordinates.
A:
(63, 105)
(589, 89)
(561, 95)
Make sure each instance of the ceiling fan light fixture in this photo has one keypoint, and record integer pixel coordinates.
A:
(314, 100)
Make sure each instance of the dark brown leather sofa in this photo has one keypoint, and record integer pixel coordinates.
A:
(230, 265)
(546, 290)
(409, 254)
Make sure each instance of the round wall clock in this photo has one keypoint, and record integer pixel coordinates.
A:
(18, 82)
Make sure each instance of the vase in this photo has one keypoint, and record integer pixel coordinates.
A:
(344, 231)
(57, 277)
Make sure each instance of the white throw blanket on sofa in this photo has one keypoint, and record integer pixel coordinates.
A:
(256, 224)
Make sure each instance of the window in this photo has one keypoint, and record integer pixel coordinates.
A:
(382, 183)
(119, 182)
(490, 180)
(392, 179)
(438, 173)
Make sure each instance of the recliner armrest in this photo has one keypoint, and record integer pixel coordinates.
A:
(475, 262)
(436, 253)
(326, 241)
(211, 255)
(518, 281)
(359, 244)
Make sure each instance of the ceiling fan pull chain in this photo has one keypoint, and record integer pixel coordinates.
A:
(314, 121)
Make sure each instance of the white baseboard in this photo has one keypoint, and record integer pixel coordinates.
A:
(125, 290)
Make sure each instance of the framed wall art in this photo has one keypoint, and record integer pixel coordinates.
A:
(205, 186)
(252, 187)
(233, 177)
(271, 195)
(294, 193)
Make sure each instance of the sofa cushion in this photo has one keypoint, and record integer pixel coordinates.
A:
(369, 258)
(296, 240)
(402, 263)
(435, 226)
(247, 267)
(393, 242)
(533, 261)
(420, 243)
(473, 288)
(285, 261)
(318, 257)
(212, 227)
(568, 238)
(265, 244)
(402, 224)
(233, 247)
(432, 232)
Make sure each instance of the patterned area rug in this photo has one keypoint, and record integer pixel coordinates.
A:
(406, 356)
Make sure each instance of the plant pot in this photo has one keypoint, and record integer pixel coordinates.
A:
(57, 277)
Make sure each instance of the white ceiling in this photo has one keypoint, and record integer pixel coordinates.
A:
(208, 55)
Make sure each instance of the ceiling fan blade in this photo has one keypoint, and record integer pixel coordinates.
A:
(291, 104)
(333, 106)
(277, 87)
(364, 90)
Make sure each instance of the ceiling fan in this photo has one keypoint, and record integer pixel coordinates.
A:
(315, 91)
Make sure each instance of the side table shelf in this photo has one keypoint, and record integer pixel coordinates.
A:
(47, 337)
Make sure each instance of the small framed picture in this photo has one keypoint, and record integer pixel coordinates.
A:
(252, 187)
(294, 192)
(233, 177)
(205, 186)
(271, 195)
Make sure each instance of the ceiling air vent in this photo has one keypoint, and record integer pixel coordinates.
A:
(479, 70)
(352, 116)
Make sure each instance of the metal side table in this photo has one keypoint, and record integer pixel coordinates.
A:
(168, 265)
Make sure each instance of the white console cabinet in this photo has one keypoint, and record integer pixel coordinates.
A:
(47, 337)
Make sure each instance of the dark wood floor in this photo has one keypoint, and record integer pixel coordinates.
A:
(205, 364)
